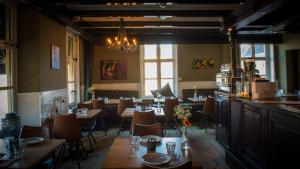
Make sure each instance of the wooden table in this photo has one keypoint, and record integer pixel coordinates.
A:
(128, 112)
(35, 154)
(120, 155)
(89, 115)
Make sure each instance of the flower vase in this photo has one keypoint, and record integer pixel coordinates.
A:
(184, 139)
(93, 96)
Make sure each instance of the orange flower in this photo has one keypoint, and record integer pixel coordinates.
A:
(186, 123)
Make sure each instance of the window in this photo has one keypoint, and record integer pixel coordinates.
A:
(159, 67)
(7, 55)
(72, 68)
(263, 55)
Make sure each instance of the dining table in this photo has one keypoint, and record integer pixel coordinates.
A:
(82, 117)
(197, 100)
(33, 154)
(128, 112)
(122, 155)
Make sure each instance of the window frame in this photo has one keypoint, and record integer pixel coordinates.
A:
(269, 58)
(9, 44)
(174, 60)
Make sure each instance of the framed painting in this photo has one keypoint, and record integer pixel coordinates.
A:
(203, 63)
(55, 57)
(113, 69)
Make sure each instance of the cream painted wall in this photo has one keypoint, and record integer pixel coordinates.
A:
(186, 54)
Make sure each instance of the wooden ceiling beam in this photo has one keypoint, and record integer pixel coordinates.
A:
(118, 13)
(251, 14)
(149, 23)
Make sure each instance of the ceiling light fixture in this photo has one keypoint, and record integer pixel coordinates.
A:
(121, 41)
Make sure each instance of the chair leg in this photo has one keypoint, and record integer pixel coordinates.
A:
(166, 126)
(93, 138)
(104, 127)
(91, 144)
(177, 126)
(205, 123)
(83, 149)
(122, 121)
(78, 154)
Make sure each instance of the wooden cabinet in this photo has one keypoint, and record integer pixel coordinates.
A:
(222, 110)
(284, 141)
(268, 138)
(254, 135)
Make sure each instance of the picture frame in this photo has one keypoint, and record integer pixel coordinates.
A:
(113, 69)
(55, 57)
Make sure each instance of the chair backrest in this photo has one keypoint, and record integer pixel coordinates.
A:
(209, 107)
(144, 117)
(143, 130)
(32, 131)
(98, 104)
(184, 165)
(169, 106)
(146, 102)
(124, 103)
(66, 127)
(85, 105)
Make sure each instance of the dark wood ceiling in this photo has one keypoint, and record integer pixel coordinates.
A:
(181, 21)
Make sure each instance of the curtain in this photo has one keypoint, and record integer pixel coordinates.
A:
(88, 67)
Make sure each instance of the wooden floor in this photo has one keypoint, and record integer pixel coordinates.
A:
(211, 153)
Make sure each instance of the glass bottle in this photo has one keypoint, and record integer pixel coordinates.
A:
(184, 139)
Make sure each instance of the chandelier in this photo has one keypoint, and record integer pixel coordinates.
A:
(121, 41)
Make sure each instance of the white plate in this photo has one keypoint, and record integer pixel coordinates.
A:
(156, 159)
(145, 138)
(33, 140)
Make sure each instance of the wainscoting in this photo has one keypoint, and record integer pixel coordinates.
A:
(34, 107)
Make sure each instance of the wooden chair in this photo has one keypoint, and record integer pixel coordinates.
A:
(32, 131)
(184, 165)
(100, 104)
(146, 102)
(67, 127)
(152, 129)
(124, 103)
(85, 105)
(170, 104)
(88, 126)
(208, 110)
(143, 117)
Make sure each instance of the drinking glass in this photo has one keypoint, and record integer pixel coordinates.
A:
(151, 145)
(135, 141)
(18, 148)
(106, 99)
(171, 148)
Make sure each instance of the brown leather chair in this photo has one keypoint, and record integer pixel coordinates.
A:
(143, 117)
(143, 130)
(184, 165)
(32, 131)
(100, 104)
(208, 111)
(146, 102)
(124, 103)
(85, 105)
(67, 127)
(169, 111)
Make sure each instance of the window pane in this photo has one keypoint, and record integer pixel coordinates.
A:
(246, 50)
(150, 52)
(166, 69)
(2, 22)
(170, 81)
(260, 50)
(71, 92)
(166, 52)
(261, 66)
(5, 77)
(5, 102)
(70, 71)
(150, 70)
(150, 85)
